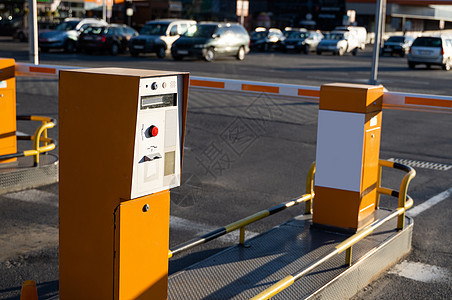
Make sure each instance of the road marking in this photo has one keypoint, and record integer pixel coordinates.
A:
(421, 272)
(429, 203)
(20, 133)
(177, 223)
(34, 196)
(422, 164)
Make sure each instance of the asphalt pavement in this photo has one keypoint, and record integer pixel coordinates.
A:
(268, 166)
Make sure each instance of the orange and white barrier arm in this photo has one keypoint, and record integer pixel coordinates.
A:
(41, 71)
(391, 100)
(309, 93)
(417, 102)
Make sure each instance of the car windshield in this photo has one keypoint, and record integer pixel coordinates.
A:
(154, 29)
(298, 35)
(259, 34)
(427, 42)
(334, 36)
(396, 39)
(205, 31)
(66, 26)
(96, 30)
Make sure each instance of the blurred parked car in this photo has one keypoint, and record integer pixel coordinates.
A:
(301, 41)
(22, 33)
(66, 34)
(431, 50)
(289, 30)
(212, 39)
(397, 45)
(8, 25)
(266, 39)
(158, 36)
(113, 38)
(357, 35)
(338, 43)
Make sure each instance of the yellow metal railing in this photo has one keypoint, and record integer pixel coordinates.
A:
(40, 136)
(405, 202)
(240, 224)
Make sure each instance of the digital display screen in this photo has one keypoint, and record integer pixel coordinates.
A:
(151, 100)
(155, 101)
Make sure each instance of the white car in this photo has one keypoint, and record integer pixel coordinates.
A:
(338, 43)
(431, 50)
(158, 36)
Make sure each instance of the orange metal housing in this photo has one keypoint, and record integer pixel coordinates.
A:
(352, 209)
(8, 142)
(110, 246)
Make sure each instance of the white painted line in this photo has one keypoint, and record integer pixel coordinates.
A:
(421, 272)
(429, 203)
(198, 229)
(20, 133)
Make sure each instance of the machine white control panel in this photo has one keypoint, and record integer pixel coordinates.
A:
(157, 138)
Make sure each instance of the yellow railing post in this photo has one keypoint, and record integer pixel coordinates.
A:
(242, 235)
(380, 168)
(310, 188)
(348, 256)
(42, 130)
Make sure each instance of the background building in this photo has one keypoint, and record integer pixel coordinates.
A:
(405, 15)
(401, 15)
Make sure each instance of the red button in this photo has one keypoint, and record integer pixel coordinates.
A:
(153, 130)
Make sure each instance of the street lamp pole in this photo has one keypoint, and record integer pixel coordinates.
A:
(33, 31)
(379, 27)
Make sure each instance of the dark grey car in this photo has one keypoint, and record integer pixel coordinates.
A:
(399, 45)
(210, 40)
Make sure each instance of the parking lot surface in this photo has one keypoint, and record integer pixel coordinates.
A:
(263, 148)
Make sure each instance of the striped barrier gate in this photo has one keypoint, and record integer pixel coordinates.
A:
(391, 100)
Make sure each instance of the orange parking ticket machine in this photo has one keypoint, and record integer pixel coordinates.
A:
(8, 143)
(121, 141)
(347, 154)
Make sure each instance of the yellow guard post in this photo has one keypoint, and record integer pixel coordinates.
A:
(8, 141)
(121, 141)
(347, 154)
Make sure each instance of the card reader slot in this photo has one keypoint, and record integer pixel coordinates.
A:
(150, 157)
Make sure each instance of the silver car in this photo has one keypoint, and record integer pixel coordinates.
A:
(65, 36)
(431, 50)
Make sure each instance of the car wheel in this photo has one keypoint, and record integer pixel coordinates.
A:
(161, 52)
(446, 65)
(114, 49)
(341, 51)
(266, 47)
(209, 55)
(319, 52)
(355, 51)
(176, 56)
(428, 66)
(134, 53)
(411, 65)
(306, 49)
(402, 54)
(22, 37)
(70, 46)
(241, 53)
